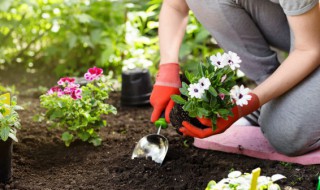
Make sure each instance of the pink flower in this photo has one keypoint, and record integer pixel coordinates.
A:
(66, 81)
(70, 88)
(55, 89)
(221, 95)
(76, 94)
(93, 73)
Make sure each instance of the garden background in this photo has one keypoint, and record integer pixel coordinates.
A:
(66, 37)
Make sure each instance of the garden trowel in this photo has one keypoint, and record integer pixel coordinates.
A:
(154, 146)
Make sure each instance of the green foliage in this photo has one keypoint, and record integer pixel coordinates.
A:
(65, 35)
(81, 118)
(142, 38)
(9, 119)
(68, 36)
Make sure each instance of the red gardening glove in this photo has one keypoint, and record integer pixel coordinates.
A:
(167, 83)
(190, 130)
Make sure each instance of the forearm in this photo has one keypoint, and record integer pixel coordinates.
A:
(300, 63)
(293, 70)
(172, 24)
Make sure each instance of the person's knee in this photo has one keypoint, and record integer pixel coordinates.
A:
(289, 143)
(289, 149)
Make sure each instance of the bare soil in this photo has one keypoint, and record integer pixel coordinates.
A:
(41, 161)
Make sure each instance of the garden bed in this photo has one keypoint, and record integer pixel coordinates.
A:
(41, 160)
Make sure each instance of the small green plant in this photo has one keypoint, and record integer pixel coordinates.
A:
(9, 117)
(79, 111)
(286, 164)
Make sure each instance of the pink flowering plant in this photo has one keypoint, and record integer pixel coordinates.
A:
(212, 92)
(78, 110)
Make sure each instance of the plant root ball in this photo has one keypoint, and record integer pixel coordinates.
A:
(178, 115)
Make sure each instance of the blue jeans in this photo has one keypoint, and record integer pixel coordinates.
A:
(250, 28)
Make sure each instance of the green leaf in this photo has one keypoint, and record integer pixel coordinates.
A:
(72, 40)
(201, 112)
(56, 114)
(187, 106)
(96, 141)
(223, 111)
(189, 76)
(213, 91)
(200, 69)
(5, 130)
(223, 91)
(201, 36)
(85, 115)
(178, 99)
(96, 36)
(84, 136)
(184, 89)
(67, 138)
(83, 18)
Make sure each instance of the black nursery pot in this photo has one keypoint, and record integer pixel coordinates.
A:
(5, 160)
(136, 87)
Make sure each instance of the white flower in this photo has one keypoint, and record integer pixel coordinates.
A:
(240, 95)
(218, 60)
(232, 60)
(195, 90)
(234, 174)
(204, 83)
(274, 187)
(238, 181)
(277, 177)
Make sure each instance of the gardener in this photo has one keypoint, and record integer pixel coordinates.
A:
(288, 93)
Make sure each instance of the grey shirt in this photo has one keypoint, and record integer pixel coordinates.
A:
(296, 7)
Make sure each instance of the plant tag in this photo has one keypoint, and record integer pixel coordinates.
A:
(255, 174)
(6, 99)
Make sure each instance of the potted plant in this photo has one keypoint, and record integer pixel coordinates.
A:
(211, 92)
(78, 110)
(9, 123)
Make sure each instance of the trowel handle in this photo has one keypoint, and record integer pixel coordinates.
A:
(161, 122)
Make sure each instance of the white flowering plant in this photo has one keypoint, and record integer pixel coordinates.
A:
(78, 110)
(238, 181)
(9, 117)
(212, 92)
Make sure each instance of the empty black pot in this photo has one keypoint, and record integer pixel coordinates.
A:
(5, 160)
(136, 87)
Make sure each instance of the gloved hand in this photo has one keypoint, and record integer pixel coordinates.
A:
(190, 130)
(167, 83)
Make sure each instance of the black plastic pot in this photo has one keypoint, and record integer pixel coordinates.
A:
(136, 87)
(5, 160)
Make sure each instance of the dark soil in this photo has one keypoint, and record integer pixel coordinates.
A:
(41, 160)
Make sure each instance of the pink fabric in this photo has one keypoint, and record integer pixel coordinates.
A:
(249, 141)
